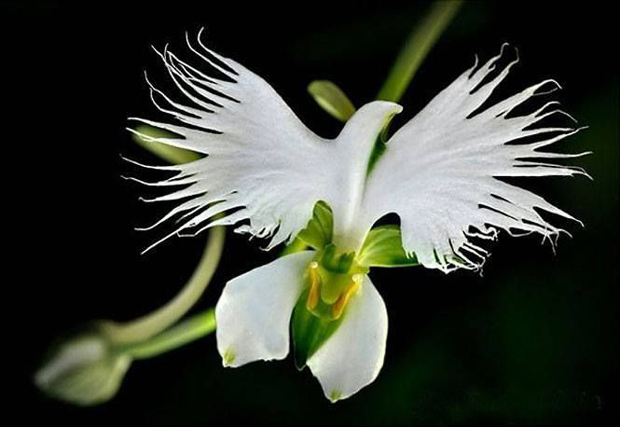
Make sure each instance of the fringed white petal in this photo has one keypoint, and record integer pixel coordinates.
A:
(262, 164)
(254, 312)
(439, 170)
(353, 356)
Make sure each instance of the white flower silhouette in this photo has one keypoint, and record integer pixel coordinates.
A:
(262, 166)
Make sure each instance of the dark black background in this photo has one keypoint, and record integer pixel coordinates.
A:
(532, 341)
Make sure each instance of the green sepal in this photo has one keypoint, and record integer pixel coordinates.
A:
(332, 99)
(297, 245)
(318, 232)
(383, 247)
(309, 331)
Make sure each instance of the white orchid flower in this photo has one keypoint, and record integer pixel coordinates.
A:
(439, 173)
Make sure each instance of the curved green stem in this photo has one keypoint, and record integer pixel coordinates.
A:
(188, 330)
(149, 325)
(417, 46)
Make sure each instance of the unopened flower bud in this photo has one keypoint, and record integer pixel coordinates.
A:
(85, 369)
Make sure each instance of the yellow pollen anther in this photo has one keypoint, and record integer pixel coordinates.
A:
(315, 283)
(345, 296)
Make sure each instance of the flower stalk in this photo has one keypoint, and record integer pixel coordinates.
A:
(184, 332)
(88, 368)
(147, 326)
(418, 45)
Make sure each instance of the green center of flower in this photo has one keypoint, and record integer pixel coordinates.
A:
(333, 279)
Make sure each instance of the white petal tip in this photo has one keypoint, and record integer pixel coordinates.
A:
(228, 359)
(335, 396)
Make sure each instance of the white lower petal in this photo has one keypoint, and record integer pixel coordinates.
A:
(352, 357)
(254, 311)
